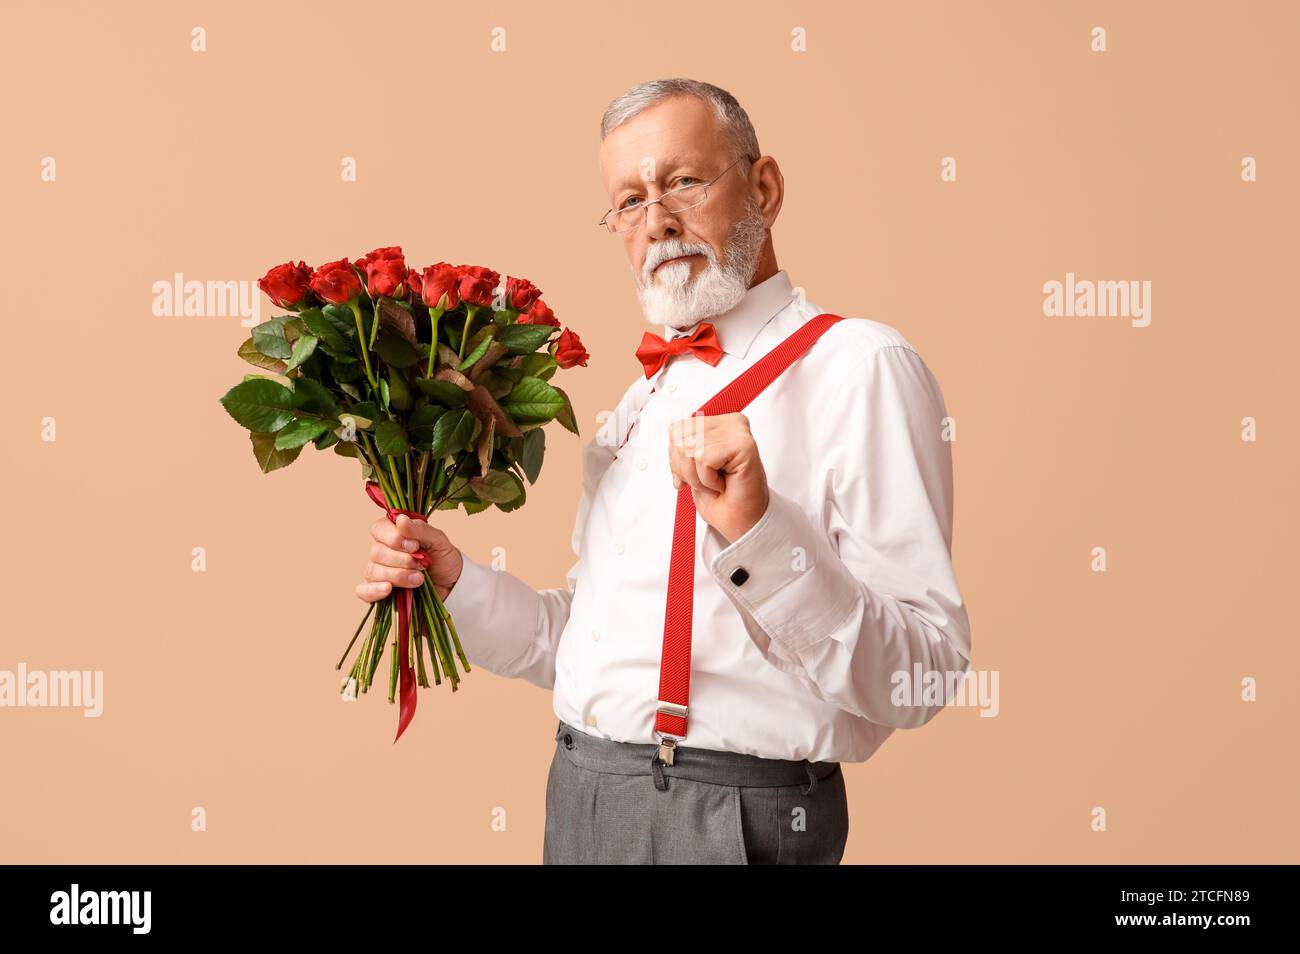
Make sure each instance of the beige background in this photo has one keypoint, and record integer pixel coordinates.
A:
(1119, 690)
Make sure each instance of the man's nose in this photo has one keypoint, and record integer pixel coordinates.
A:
(660, 223)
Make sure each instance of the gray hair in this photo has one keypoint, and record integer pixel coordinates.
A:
(737, 130)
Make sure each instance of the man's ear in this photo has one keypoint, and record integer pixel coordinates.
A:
(767, 187)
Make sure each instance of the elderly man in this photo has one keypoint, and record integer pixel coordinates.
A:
(707, 695)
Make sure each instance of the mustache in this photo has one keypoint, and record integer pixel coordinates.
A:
(673, 248)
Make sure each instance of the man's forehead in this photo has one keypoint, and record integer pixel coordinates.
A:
(659, 139)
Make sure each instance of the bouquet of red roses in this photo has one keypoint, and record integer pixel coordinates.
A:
(437, 382)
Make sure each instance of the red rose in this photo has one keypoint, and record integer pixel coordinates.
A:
(336, 282)
(521, 293)
(380, 254)
(386, 276)
(539, 314)
(477, 285)
(287, 284)
(569, 350)
(414, 282)
(438, 280)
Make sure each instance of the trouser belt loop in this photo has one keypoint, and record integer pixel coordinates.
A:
(812, 778)
(657, 770)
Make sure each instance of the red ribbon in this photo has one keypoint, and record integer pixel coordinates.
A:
(407, 691)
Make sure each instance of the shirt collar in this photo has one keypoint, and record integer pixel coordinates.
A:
(738, 327)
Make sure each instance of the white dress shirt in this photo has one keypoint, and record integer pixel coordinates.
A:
(849, 572)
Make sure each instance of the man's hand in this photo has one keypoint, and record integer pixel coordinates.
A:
(716, 455)
(392, 562)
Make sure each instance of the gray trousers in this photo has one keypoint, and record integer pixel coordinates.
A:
(607, 802)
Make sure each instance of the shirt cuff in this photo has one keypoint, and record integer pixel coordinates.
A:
(784, 574)
(466, 598)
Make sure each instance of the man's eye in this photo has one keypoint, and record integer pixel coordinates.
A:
(685, 181)
(627, 203)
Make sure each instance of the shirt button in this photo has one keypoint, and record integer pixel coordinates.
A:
(739, 575)
(641, 463)
(591, 721)
(618, 546)
(595, 635)
(672, 385)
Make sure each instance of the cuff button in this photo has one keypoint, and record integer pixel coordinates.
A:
(739, 575)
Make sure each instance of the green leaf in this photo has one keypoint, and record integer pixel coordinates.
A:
(248, 351)
(269, 457)
(367, 409)
(260, 404)
(541, 365)
(383, 394)
(399, 392)
(532, 448)
(313, 397)
(452, 432)
(396, 351)
(533, 400)
(299, 432)
(497, 487)
(333, 338)
(566, 416)
(302, 349)
(421, 425)
(476, 353)
(348, 371)
(391, 439)
(444, 392)
(268, 338)
(515, 502)
(524, 339)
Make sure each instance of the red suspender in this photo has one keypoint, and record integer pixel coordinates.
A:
(675, 664)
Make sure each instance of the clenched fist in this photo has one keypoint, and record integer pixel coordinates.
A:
(716, 455)
(392, 562)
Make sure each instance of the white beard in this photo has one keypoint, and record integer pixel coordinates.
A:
(670, 297)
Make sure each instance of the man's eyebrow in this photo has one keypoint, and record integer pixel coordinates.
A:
(662, 167)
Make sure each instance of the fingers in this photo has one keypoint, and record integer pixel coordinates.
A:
(700, 450)
(409, 535)
(429, 538)
(372, 592)
(387, 556)
(396, 575)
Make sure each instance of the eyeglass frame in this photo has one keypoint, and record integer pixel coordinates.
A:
(646, 205)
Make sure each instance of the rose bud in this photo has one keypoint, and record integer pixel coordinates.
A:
(380, 254)
(539, 314)
(437, 281)
(288, 284)
(521, 293)
(386, 276)
(569, 350)
(478, 285)
(336, 282)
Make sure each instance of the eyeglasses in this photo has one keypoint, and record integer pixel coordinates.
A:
(673, 201)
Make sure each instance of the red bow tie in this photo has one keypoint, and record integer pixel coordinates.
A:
(702, 342)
